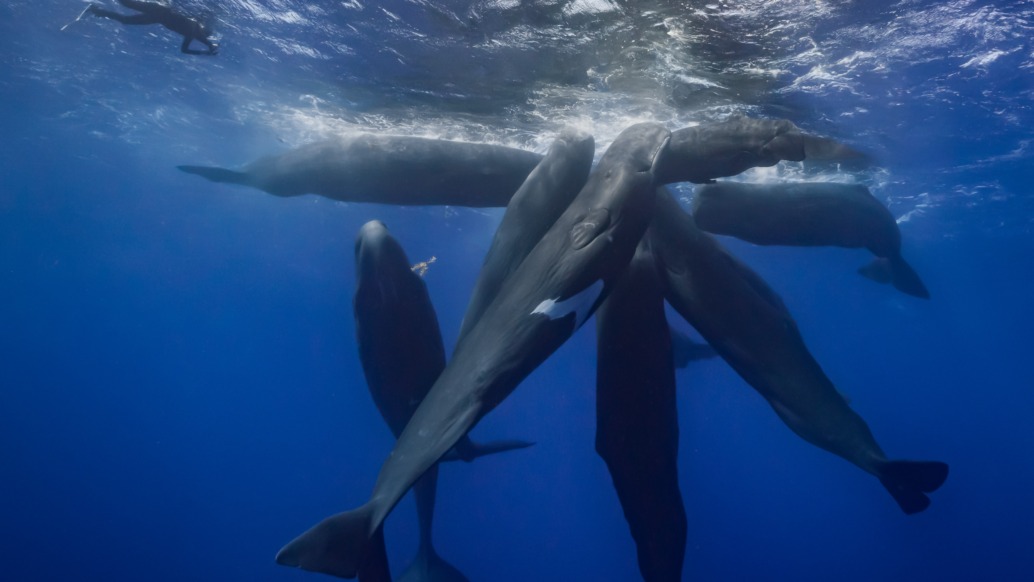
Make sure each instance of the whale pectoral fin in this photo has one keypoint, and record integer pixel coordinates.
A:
(217, 174)
(685, 349)
(909, 481)
(905, 279)
(590, 227)
(476, 449)
(339, 545)
(467, 450)
(898, 273)
(878, 270)
(464, 450)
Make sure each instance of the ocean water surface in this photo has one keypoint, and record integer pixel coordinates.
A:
(180, 391)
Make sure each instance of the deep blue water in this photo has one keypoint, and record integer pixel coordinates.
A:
(180, 392)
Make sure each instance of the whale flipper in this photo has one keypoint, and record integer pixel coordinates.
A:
(906, 280)
(216, 174)
(468, 450)
(898, 273)
(685, 349)
(909, 481)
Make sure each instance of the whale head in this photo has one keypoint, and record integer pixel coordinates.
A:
(382, 267)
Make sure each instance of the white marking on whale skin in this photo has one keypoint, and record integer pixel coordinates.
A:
(579, 304)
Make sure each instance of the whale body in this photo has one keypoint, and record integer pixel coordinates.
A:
(388, 169)
(810, 214)
(592, 241)
(750, 327)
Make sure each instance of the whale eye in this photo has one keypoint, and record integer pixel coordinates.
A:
(590, 227)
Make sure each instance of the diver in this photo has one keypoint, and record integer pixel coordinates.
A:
(156, 13)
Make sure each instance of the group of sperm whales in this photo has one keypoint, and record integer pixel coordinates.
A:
(609, 240)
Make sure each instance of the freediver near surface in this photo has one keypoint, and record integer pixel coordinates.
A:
(157, 13)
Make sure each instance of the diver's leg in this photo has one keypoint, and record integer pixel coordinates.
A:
(129, 19)
(140, 6)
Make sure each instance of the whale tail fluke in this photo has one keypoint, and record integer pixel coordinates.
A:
(340, 545)
(375, 567)
(468, 450)
(898, 273)
(909, 482)
(217, 174)
(428, 566)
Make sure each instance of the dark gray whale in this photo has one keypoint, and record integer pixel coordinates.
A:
(402, 170)
(388, 169)
(553, 291)
(716, 150)
(400, 343)
(401, 351)
(637, 425)
(749, 326)
(810, 214)
(539, 202)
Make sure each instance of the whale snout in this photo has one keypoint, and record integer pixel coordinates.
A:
(373, 242)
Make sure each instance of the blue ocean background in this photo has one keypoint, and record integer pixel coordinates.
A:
(180, 391)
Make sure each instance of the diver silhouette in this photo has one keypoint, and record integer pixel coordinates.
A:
(156, 13)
